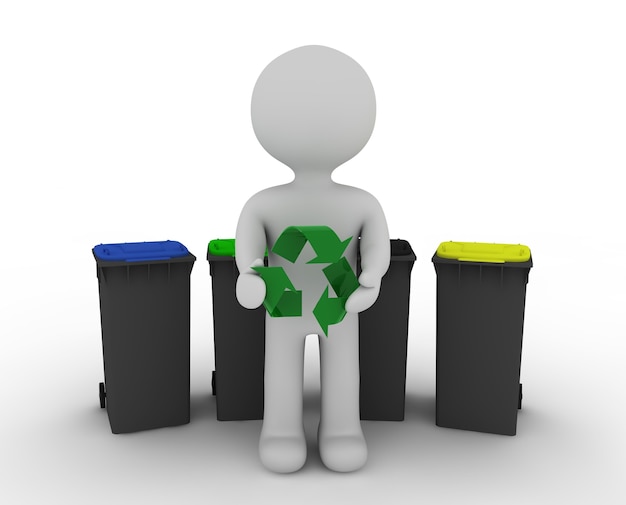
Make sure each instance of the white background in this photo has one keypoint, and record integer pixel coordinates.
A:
(497, 121)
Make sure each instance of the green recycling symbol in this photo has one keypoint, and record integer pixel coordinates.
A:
(282, 299)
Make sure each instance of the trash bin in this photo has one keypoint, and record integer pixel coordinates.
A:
(239, 339)
(481, 294)
(144, 312)
(383, 335)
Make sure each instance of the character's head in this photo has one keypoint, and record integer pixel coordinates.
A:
(313, 108)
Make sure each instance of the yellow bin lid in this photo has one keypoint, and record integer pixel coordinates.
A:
(484, 252)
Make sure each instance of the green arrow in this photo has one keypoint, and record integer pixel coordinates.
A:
(323, 239)
(281, 297)
(343, 281)
(290, 243)
(341, 278)
(329, 311)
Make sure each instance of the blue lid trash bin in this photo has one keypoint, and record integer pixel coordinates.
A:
(481, 296)
(144, 292)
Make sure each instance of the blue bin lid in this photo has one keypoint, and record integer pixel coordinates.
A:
(140, 251)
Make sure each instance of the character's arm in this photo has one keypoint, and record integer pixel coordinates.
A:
(250, 245)
(375, 257)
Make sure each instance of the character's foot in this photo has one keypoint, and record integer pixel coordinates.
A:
(342, 453)
(283, 454)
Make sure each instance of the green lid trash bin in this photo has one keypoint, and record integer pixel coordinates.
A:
(383, 335)
(144, 292)
(239, 340)
(481, 296)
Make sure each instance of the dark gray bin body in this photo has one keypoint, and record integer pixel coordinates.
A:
(383, 336)
(480, 321)
(239, 338)
(144, 311)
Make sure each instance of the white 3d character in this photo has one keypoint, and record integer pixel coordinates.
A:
(313, 109)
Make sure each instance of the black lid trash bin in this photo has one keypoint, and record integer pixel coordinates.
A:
(383, 340)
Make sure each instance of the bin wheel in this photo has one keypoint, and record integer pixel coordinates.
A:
(213, 382)
(519, 400)
(103, 395)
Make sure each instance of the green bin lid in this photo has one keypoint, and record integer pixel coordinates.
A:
(484, 252)
(222, 247)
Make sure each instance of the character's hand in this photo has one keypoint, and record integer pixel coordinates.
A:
(365, 295)
(250, 287)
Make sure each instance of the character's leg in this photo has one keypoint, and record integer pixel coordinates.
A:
(341, 442)
(282, 446)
